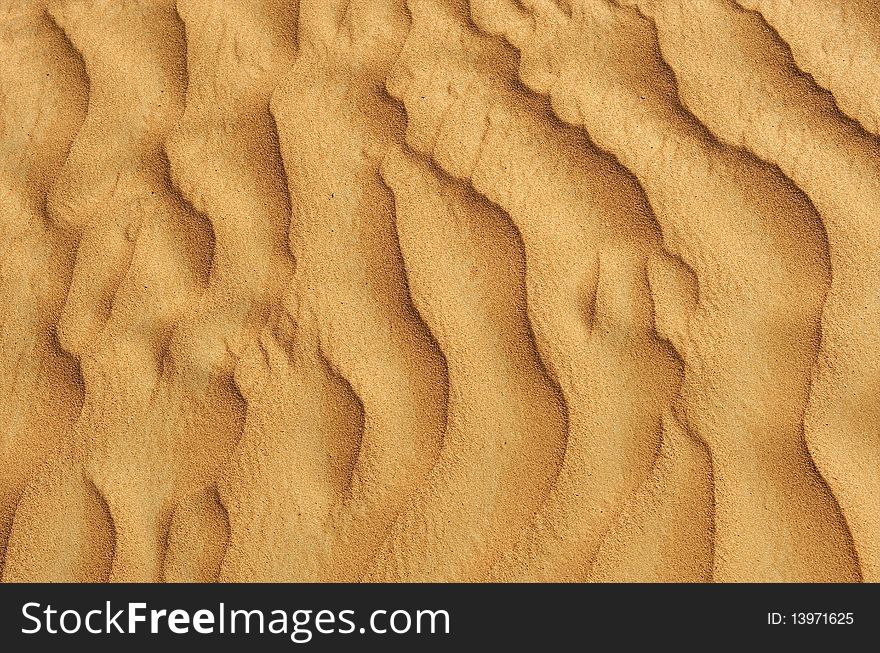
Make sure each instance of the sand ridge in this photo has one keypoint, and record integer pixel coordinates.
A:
(439, 290)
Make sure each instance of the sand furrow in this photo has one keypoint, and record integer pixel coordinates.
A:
(352, 302)
(796, 125)
(838, 43)
(662, 533)
(506, 422)
(42, 390)
(124, 303)
(237, 183)
(713, 204)
(302, 434)
(197, 538)
(587, 233)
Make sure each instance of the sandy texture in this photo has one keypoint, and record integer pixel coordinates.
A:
(439, 290)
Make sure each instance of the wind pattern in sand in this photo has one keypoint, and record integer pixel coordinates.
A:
(499, 290)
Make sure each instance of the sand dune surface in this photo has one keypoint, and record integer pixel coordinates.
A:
(439, 290)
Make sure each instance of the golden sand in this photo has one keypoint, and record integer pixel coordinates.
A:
(340, 290)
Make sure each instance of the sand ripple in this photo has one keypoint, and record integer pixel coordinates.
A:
(439, 290)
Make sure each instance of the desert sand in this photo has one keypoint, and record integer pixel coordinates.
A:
(440, 290)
